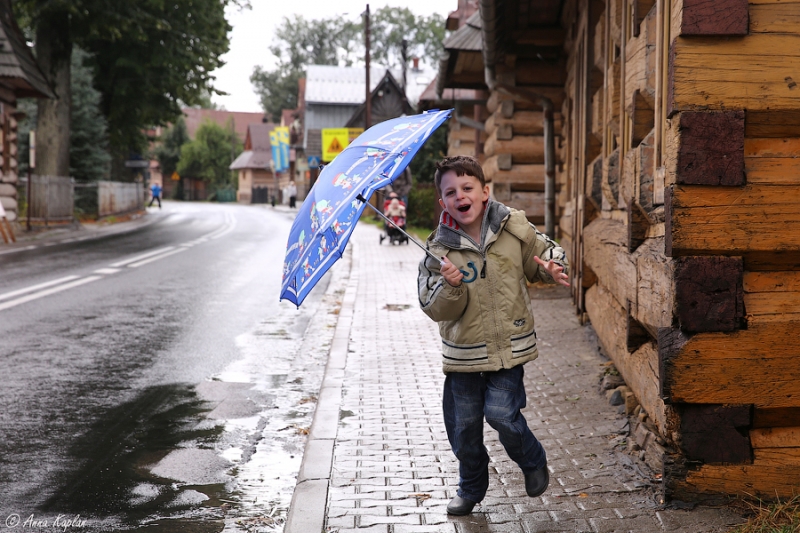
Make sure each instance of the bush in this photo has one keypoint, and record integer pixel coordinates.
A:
(421, 209)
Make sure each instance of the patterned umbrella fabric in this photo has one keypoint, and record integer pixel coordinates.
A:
(330, 211)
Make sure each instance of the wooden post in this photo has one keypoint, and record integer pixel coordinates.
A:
(368, 103)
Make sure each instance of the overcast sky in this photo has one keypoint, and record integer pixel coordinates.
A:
(253, 30)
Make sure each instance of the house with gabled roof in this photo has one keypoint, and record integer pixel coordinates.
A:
(20, 77)
(257, 181)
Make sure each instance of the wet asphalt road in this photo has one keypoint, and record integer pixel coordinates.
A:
(147, 373)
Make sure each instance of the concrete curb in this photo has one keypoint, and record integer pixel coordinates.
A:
(310, 497)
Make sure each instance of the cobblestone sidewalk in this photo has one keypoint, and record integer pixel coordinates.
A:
(392, 468)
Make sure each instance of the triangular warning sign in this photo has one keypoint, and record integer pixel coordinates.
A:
(335, 146)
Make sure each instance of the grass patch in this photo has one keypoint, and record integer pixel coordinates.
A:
(766, 517)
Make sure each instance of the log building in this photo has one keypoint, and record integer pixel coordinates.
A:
(674, 127)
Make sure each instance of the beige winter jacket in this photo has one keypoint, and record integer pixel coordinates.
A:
(488, 324)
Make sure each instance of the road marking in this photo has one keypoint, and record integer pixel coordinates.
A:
(32, 288)
(106, 271)
(156, 258)
(142, 256)
(48, 292)
(17, 250)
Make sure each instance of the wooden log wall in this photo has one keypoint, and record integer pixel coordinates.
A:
(732, 221)
(515, 146)
(680, 208)
(8, 163)
(461, 139)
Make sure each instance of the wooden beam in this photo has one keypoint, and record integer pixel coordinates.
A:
(605, 250)
(714, 17)
(708, 293)
(748, 481)
(711, 150)
(706, 73)
(758, 365)
(779, 457)
(655, 286)
(611, 178)
(774, 16)
(772, 296)
(774, 418)
(522, 122)
(782, 437)
(716, 433)
(523, 148)
(760, 124)
(732, 220)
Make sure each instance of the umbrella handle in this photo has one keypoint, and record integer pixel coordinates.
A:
(468, 279)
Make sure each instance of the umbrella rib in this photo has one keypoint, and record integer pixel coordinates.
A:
(387, 219)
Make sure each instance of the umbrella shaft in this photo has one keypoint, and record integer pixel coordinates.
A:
(387, 219)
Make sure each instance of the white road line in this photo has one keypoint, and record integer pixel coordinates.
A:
(142, 256)
(106, 271)
(48, 292)
(32, 288)
(156, 258)
(17, 250)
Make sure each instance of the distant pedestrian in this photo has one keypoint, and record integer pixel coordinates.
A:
(486, 323)
(291, 190)
(155, 191)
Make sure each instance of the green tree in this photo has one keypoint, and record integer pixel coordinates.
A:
(89, 159)
(208, 156)
(168, 151)
(148, 57)
(88, 148)
(300, 42)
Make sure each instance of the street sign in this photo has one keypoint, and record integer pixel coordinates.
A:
(313, 161)
(137, 163)
(175, 177)
(334, 140)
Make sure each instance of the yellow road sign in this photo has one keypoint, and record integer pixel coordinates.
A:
(175, 177)
(334, 140)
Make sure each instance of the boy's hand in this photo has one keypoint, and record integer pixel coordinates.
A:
(555, 270)
(451, 273)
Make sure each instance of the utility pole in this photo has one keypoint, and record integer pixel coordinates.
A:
(404, 55)
(368, 109)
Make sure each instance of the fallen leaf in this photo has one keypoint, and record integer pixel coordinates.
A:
(583, 495)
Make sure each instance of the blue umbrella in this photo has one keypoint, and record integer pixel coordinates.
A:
(333, 206)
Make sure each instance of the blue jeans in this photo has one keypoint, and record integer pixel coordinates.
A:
(499, 396)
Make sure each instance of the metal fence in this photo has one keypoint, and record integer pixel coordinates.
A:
(52, 199)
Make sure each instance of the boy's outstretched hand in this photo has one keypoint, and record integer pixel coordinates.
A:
(451, 273)
(555, 270)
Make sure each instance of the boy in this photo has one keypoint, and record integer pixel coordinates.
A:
(486, 323)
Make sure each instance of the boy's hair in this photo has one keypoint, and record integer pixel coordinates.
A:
(461, 165)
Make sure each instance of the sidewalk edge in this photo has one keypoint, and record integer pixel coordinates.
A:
(310, 496)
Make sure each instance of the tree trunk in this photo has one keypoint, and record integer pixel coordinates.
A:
(53, 51)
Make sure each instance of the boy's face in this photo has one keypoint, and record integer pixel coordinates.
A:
(464, 198)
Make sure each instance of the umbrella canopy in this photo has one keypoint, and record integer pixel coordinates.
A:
(330, 211)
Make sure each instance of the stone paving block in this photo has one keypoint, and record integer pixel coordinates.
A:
(392, 443)
(618, 525)
(445, 527)
(372, 520)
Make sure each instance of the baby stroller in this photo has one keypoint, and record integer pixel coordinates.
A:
(396, 212)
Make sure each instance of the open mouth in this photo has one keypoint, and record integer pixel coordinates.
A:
(464, 208)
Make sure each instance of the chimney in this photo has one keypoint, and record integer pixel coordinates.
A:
(416, 63)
